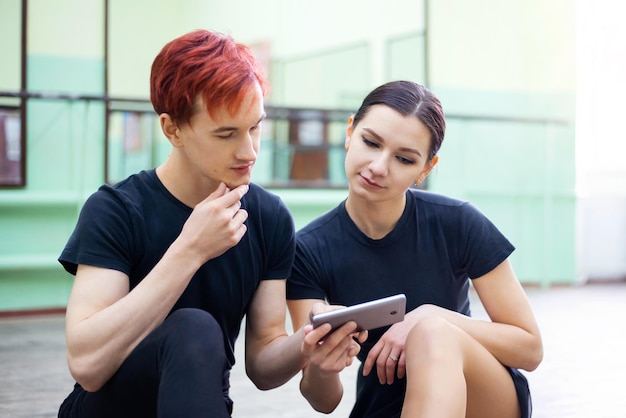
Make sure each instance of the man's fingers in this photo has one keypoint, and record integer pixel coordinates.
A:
(240, 215)
(228, 197)
(219, 192)
(233, 196)
(317, 334)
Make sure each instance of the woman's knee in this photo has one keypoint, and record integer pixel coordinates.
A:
(432, 337)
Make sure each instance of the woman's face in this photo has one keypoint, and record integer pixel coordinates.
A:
(386, 153)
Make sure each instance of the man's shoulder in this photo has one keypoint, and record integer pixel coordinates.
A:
(138, 183)
(263, 200)
(261, 193)
(326, 224)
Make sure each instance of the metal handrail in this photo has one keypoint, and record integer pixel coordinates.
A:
(274, 112)
(143, 105)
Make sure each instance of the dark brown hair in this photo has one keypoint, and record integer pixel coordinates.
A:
(409, 99)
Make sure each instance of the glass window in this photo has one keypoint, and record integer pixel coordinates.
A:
(134, 143)
(11, 152)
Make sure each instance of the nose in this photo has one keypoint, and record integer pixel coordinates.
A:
(379, 166)
(247, 149)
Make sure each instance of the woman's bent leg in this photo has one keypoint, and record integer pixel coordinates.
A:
(449, 374)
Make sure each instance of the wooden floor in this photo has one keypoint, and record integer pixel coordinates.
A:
(582, 375)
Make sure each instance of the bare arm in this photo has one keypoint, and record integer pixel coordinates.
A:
(320, 383)
(105, 322)
(511, 335)
(272, 357)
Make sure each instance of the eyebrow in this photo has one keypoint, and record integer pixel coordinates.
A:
(404, 149)
(222, 129)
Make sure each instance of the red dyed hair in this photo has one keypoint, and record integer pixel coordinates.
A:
(202, 63)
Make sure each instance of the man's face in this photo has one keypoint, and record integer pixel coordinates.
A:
(222, 147)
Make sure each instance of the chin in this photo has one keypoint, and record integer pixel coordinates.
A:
(233, 184)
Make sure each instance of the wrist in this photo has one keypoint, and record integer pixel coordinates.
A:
(184, 256)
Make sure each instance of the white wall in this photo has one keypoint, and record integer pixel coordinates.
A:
(511, 46)
(601, 138)
(291, 28)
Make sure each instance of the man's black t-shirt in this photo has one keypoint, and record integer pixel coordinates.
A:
(129, 226)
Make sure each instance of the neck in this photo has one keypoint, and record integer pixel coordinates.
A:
(375, 219)
(184, 182)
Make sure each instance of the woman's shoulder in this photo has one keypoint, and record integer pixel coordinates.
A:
(436, 199)
(447, 209)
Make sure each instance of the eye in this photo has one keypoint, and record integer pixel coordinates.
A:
(369, 143)
(227, 134)
(405, 160)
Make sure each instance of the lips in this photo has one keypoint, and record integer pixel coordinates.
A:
(243, 169)
(371, 183)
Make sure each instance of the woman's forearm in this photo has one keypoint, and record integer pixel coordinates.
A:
(510, 344)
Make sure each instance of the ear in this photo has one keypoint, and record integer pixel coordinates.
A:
(170, 129)
(427, 169)
(349, 130)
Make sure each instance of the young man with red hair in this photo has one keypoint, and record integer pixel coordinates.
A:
(170, 260)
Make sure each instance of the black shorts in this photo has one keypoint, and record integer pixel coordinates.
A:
(523, 392)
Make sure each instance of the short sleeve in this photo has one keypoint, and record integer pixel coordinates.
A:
(102, 234)
(281, 243)
(484, 246)
(306, 275)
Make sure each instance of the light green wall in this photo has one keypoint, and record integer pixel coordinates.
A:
(516, 62)
(66, 28)
(138, 30)
(64, 149)
(33, 230)
(334, 89)
(520, 175)
(10, 24)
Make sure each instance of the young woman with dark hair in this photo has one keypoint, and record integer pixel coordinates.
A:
(388, 238)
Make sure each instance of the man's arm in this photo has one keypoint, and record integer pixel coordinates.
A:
(272, 357)
(105, 322)
(320, 383)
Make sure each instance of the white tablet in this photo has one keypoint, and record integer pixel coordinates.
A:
(368, 315)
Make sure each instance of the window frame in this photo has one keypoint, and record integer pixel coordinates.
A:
(12, 171)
